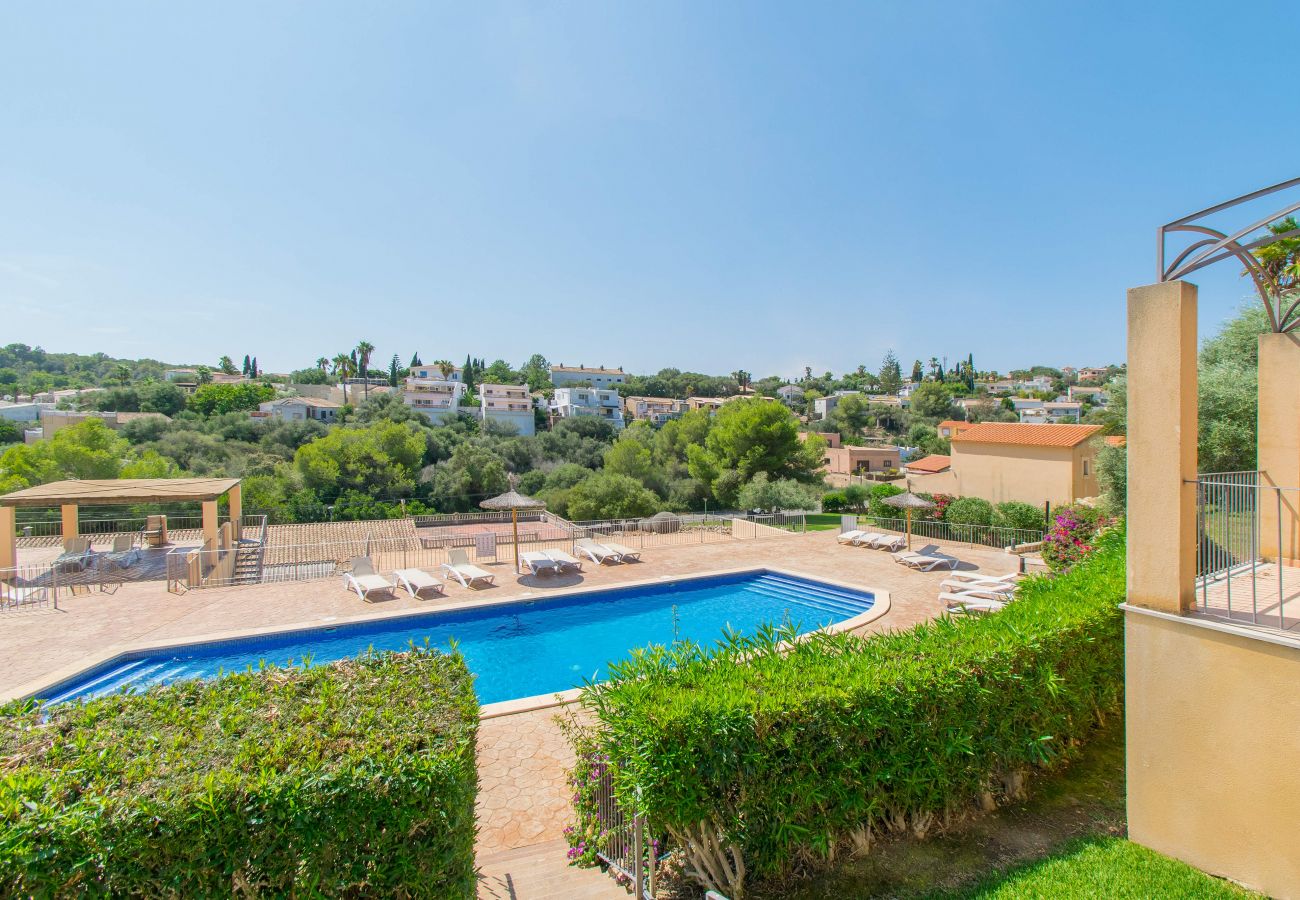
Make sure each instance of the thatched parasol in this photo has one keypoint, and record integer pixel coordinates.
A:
(909, 501)
(513, 501)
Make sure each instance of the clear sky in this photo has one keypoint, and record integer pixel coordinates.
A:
(709, 186)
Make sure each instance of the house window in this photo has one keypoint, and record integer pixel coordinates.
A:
(1085, 468)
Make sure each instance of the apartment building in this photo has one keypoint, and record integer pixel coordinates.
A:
(429, 392)
(655, 410)
(1093, 374)
(570, 403)
(597, 377)
(1052, 411)
(298, 409)
(507, 404)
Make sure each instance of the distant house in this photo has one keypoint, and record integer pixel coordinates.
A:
(950, 427)
(23, 412)
(655, 410)
(507, 404)
(188, 379)
(1052, 411)
(55, 420)
(298, 409)
(929, 465)
(824, 406)
(709, 403)
(569, 403)
(842, 460)
(1093, 374)
(599, 377)
(790, 393)
(1034, 464)
(436, 395)
(1000, 387)
(1020, 404)
(434, 373)
(1094, 395)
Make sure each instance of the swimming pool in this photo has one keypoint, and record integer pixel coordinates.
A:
(515, 649)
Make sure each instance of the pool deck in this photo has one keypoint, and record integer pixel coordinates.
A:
(523, 758)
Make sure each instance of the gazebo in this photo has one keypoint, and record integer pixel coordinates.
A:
(69, 496)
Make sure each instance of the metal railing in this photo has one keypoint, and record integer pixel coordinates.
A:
(1245, 531)
(971, 535)
(627, 846)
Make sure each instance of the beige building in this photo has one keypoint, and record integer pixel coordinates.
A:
(1035, 464)
(298, 409)
(860, 460)
(55, 420)
(508, 404)
(596, 376)
(655, 410)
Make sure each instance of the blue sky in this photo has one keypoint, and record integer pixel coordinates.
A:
(700, 185)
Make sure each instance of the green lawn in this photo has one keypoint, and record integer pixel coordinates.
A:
(1065, 841)
(1108, 867)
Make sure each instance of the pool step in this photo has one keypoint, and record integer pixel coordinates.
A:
(827, 598)
(837, 610)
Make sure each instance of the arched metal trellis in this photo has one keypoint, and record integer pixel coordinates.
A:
(1280, 290)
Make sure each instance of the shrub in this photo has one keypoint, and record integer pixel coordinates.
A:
(756, 758)
(876, 505)
(1070, 538)
(356, 779)
(1014, 514)
(969, 511)
(834, 501)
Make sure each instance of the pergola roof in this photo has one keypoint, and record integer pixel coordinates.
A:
(115, 491)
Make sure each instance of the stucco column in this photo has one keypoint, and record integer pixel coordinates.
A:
(70, 526)
(235, 497)
(210, 522)
(8, 537)
(1279, 446)
(1162, 446)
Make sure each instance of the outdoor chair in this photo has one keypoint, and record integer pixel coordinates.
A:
(564, 560)
(124, 553)
(76, 556)
(539, 562)
(417, 580)
(598, 553)
(851, 537)
(624, 553)
(966, 581)
(459, 567)
(365, 582)
(925, 563)
(891, 542)
(154, 533)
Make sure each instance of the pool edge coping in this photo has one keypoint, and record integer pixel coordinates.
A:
(29, 689)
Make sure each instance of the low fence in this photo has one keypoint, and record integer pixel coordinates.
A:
(626, 846)
(970, 535)
(1246, 531)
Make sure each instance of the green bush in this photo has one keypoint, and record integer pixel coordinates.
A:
(755, 758)
(834, 501)
(969, 511)
(1014, 514)
(876, 505)
(353, 779)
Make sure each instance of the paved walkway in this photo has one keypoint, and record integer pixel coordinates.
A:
(541, 872)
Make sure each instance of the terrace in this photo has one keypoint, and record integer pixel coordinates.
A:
(523, 757)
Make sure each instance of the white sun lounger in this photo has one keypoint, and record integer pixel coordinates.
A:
(539, 562)
(599, 553)
(624, 553)
(365, 585)
(564, 560)
(925, 563)
(459, 567)
(891, 542)
(966, 581)
(851, 537)
(417, 580)
(974, 601)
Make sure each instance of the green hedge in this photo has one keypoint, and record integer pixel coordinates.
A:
(355, 779)
(755, 760)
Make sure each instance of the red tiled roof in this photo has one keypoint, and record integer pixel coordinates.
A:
(1116, 440)
(1029, 435)
(931, 464)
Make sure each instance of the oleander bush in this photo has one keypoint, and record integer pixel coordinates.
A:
(352, 779)
(758, 759)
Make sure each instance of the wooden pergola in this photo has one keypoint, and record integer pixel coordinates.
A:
(70, 496)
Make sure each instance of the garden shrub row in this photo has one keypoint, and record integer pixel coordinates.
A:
(754, 759)
(352, 779)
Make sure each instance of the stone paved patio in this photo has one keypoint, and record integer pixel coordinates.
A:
(523, 758)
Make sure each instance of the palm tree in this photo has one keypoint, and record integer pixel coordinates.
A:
(446, 367)
(322, 363)
(364, 349)
(226, 365)
(343, 369)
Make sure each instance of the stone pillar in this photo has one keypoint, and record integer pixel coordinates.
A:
(1279, 447)
(1162, 446)
(210, 522)
(8, 537)
(235, 498)
(70, 527)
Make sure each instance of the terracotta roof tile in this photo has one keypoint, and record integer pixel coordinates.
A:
(1027, 434)
(936, 463)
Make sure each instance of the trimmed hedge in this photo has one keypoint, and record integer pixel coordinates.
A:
(757, 760)
(355, 779)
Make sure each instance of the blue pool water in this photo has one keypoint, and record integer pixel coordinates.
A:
(517, 649)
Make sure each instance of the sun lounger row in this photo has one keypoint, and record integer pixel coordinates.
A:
(607, 551)
(540, 562)
(875, 540)
(365, 581)
(970, 593)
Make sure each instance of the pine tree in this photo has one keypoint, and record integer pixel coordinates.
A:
(394, 368)
(891, 374)
(918, 372)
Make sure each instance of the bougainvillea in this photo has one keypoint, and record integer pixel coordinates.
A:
(1071, 537)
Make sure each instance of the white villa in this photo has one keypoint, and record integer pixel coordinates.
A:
(298, 409)
(508, 404)
(597, 377)
(572, 402)
(436, 395)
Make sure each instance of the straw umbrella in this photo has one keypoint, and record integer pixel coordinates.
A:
(909, 501)
(514, 502)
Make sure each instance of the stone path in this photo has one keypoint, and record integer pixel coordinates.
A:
(540, 872)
